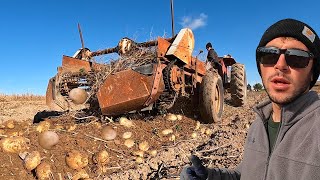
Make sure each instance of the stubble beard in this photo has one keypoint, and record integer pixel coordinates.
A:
(290, 98)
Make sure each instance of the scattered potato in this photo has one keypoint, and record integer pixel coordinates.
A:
(2, 131)
(194, 135)
(14, 144)
(80, 175)
(139, 160)
(171, 117)
(197, 125)
(125, 122)
(43, 171)
(172, 137)
(203, 130)
(129, 143)
(117, 142)
(43, 126)
(167, 132)
(152, 153)
(108, 133)
(101, 157)
(78, 95)
(76, 159)
(179, 117)
(48, 139)
(10, 124)
(127, 135)
(32, 160)
(144, 146)
(208, 132)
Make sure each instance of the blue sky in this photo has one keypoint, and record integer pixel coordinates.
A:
(35, 34)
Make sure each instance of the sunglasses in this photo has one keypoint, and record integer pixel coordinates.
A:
(295, 58)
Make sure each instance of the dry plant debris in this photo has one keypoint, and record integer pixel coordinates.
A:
(81, 143)
(82, 150)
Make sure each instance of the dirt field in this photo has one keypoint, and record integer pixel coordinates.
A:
(219, 145)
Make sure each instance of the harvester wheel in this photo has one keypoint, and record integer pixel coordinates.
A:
(211, 97)
(238, 84)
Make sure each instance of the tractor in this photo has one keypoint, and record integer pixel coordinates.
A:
(164, 70)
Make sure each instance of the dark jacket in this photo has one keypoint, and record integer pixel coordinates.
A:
(212, 56)
(296, 153)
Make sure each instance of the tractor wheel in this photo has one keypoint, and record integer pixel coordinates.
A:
(211, 97)
(238, 85)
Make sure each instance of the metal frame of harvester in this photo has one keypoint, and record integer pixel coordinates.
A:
(173, 72)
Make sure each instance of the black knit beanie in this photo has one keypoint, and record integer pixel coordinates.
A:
(300, 31)
(208, 45)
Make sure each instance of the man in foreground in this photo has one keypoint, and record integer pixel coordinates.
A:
(284, 140)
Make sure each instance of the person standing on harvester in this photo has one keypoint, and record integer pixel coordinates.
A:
(212, 56)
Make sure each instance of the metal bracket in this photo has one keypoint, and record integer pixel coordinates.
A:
(155, 86)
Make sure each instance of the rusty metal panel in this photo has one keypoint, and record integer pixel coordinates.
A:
(201, 68)
(156, 82)
(163, 46)
(70, 64)
(49, 93)
(126, 91)
(182, 46)
(50, 96)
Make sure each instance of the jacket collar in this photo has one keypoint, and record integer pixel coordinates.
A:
(292, 112)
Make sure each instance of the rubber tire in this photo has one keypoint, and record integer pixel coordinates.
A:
(211, 97)
(238, 85)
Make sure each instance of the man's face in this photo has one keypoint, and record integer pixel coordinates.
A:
(282, 82)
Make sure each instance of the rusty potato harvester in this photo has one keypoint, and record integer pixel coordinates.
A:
(155, 84)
